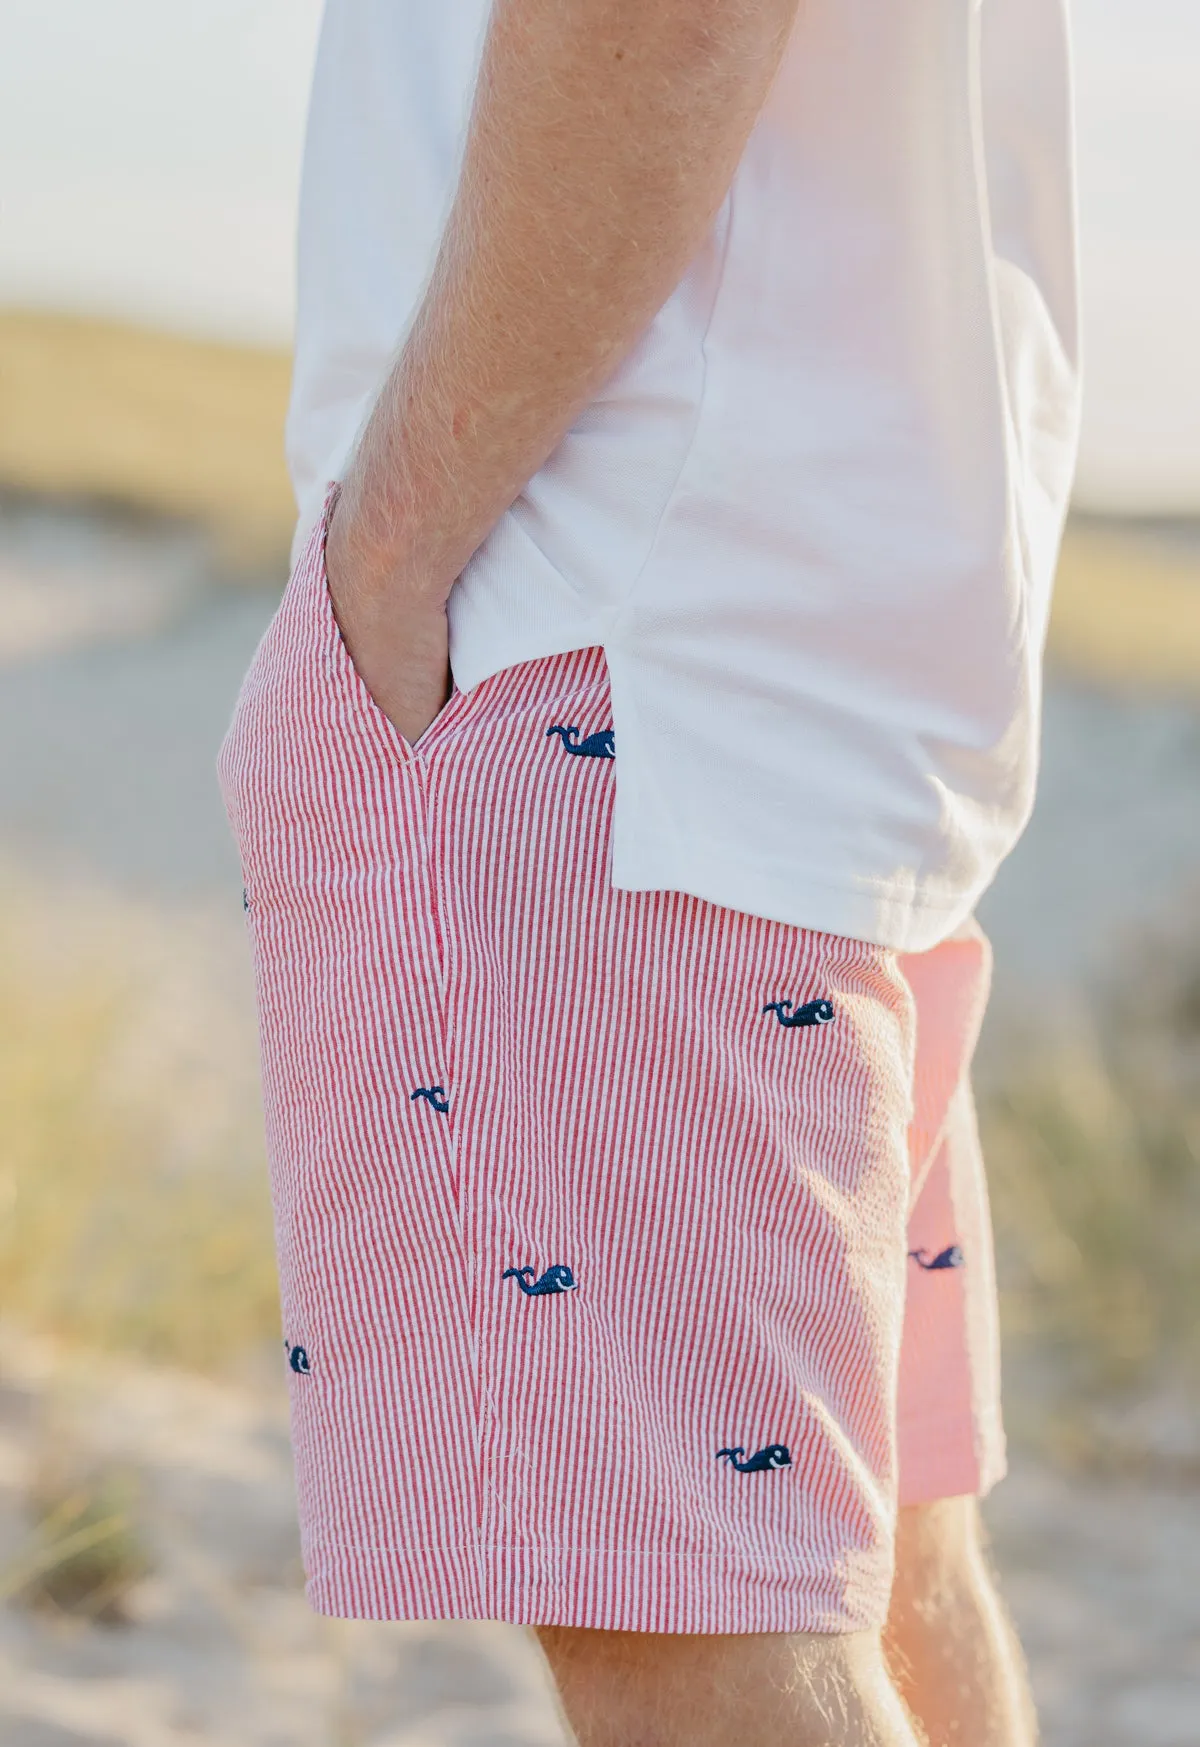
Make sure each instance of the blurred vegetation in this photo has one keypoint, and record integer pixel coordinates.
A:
(1127, 610)
(1093, 1151)
(106, 1238)
(95, 409)
(84, 1555)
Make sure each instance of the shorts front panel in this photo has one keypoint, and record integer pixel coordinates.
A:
(328, 808)
(568, 1207)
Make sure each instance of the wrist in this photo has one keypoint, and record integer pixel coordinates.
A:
(379, 559)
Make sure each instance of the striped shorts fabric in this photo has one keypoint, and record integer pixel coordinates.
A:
(634, 1252)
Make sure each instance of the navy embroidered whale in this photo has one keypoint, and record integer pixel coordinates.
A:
(950, 1257)
(556, 1279)
(298, 1360)
(597, 745)
(774, 1456)
(812, 1012)
(245, 899)
(434, 1096)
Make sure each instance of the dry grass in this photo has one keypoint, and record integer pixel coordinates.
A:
(182, 427)
(1097, 1192)
(84, 1556)
(1127, 612)
(106, 1238)
(1094, 1159)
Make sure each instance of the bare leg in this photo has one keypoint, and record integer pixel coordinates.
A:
(953, 1653)
(638, 1689)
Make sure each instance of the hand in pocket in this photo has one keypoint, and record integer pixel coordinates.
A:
(398, 641)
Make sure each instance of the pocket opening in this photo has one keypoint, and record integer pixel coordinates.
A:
(344, 662)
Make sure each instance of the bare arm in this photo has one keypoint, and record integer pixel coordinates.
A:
(604, 136)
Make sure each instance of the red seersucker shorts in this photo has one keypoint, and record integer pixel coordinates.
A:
(634, 1252)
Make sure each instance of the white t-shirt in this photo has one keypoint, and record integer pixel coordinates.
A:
(813, 518)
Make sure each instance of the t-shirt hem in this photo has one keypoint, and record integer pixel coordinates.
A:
(896, 914)
(880, 912)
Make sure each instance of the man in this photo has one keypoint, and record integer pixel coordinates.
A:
(654, 694)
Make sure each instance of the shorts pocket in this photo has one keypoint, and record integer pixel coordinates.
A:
(344, 671)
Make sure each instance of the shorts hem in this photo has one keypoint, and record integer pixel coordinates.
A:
(627, 1591)
(947, 1458)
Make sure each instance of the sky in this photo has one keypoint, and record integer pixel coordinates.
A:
(150, 153)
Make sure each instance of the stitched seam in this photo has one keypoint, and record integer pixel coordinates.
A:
(435, 861)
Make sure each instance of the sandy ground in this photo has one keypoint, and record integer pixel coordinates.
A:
(220, 1649)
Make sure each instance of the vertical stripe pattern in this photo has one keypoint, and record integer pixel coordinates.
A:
(601, 1087)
